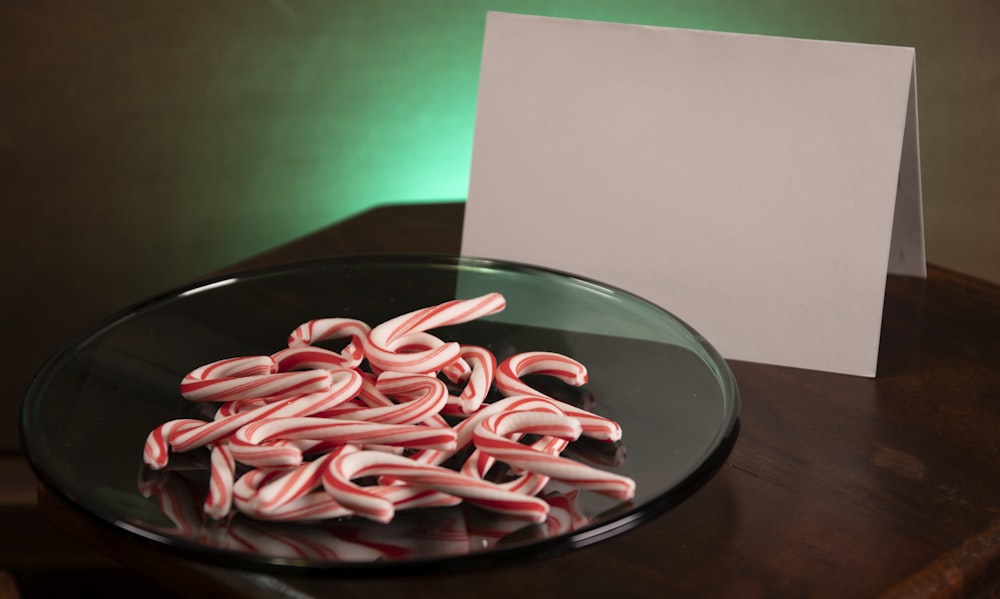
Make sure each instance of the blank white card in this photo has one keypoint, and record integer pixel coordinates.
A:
(759, 188)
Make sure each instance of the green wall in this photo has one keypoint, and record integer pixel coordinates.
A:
(388, 102)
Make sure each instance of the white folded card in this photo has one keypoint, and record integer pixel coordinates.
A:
(759, 188)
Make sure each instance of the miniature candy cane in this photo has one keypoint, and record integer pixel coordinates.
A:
(301, 502)
(562, 367)
(477, 384)
(231, 408)
(380, 340)
(337, 480)
(479, 462)
(381, 407)
(345, 385)
(247, 442)
(419, 341)
(343, 431)
(309, 358)
(233, 367)
(263, 494)
(556, 430)
(310, 506)
(323, 329)
(292, 494)
(244, 376)
(156, 452)
(319, 505)
(268, 421)
(220, 484)
(424, 395)
(508, 382)
(464, 429)
(490, 435)
(279, 385)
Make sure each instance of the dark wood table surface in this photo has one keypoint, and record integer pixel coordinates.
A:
(838, 486)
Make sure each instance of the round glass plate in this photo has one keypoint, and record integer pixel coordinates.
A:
(87, 414)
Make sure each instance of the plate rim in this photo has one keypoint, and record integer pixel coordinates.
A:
(719, 451)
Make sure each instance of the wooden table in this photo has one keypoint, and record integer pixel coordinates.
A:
(838, 486)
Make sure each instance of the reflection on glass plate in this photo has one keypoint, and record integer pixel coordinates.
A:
(89, 410)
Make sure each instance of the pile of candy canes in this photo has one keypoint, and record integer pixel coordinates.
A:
(320, 437)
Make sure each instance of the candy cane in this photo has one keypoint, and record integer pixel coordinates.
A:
(247, 442)
(232, 378)
(465, 428)
(345, 385)
(263, 494)
(422, 341)
(489, 437)
(526, 482)
(555, 428)
(279, 385)
(421, 404)
(269, 421)
(308, 507)
(292, 495)
(379, 342)
(156, 452)
(323, 329)
(508, 382)
(477, 384)
(479, 462)
(233, 367)
(309, 358)
(337, 480)
(220, 486)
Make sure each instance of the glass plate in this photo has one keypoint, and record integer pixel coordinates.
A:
(87, 414)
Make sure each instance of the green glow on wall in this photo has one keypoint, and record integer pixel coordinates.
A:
(393, 121)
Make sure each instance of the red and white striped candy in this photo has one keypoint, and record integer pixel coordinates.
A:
(345, 385)
(477, 384)
(490, 438)
(247, 486)
(263, 494)
(311, 400)
(324, 329)
(562, 367)
(251, 441)
(555, 428)
(278, 385)
(381, 339)
(293, 495)
(465, 428)
(337, 480)
(479, 462)
(156, 452)
(422, 398)
(241, 375)
(421, 341)
(309, 358)
(220, 483)
(508, 382)
(233, 367)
